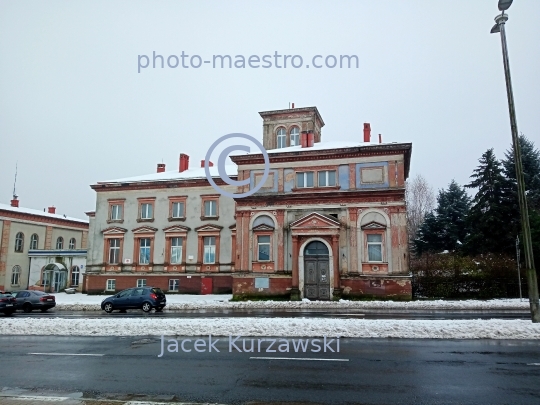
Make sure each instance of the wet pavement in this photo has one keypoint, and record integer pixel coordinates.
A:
(364, 371)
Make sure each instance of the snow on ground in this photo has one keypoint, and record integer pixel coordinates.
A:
(82, 302)
(359, 328)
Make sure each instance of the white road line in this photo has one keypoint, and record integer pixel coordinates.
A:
(38, 398)
(533, 364)
(295, 358)
(67, 354)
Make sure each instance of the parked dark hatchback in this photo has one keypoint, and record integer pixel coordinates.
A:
(28, 300)
(145, 298)
(7, 303)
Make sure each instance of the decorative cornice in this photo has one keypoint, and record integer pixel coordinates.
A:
(23, 216)
(144, 229)
(211, 227)
(177, 228)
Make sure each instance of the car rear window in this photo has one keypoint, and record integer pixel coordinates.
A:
(156, 290)
(39, 292)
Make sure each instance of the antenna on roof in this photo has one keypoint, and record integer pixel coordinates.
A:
(15, 183)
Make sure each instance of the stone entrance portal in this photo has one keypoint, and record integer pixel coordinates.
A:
(316, 271)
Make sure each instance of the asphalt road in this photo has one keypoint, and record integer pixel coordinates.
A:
(293, 313)
(365, 371)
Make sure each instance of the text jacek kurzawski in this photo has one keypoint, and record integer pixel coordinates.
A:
(250, 345)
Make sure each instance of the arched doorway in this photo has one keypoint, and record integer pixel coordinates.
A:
(316, 271)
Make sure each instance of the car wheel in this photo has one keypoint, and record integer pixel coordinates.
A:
(108, 307)
(146, 307)
(27, 307)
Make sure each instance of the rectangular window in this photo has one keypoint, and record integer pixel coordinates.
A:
(114, 251)
(173, 284)
(111, 285)
(263, 244)
(141, 282)
(176, 250)
(209, 250)
(116, 212)
(327, 178)
(177, 210)
(146, 211)
(374, 245)
(304, 179)
(144, 250)
(210, 208)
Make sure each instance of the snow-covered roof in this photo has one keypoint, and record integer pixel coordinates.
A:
(326, 146)
(198, 173)
(30, 211)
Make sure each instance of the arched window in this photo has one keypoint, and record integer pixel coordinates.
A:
(60, 243)
(19, 242)
(281, 138)
(16, 275)
(295, 136)
(263, 237)
(75, 274)
(34, 239)
(72, 243)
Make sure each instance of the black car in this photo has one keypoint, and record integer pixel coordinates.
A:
(28, 300)
(145, 298)
(7, 303)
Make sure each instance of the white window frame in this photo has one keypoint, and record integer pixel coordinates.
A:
(381, 244)
(116, 212)
(295, 136)
(174, 284)
(325, 175)
(209, 249)
(145, 247)
(16, 275)
(34, 241)
(59, 243)
(269, 244)
(110, 285)
(174, 214)
(75, 271)
(116, 249)
(141, 282)
(281, 138)
(72, 243)
(211, 204)
(19, 242)
(304, 176)
(147, 210)
(177, 249)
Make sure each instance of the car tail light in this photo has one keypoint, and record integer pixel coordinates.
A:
(46, 297)
(153, 296)
(4, 299)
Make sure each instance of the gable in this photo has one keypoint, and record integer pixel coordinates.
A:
(373, 225)
(315, 220)
(114, 230)
(263, 227)
(144, 229)
(209, 228)
(176, 228)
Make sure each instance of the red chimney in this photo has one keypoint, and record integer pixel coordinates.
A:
(304, 139)
(160, 167)
(15, 202)
(184, 162)
(310, 139)
(210, 164)
(380, 138)
(367, 132)
(52, 210)
(292, 105)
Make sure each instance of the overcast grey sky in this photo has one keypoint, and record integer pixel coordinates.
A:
(74, 110)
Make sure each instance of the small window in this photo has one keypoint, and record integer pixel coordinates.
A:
(114, 250)
(210, 208)
(16, 275)
(137, 292)
(327, 178)
(34, 239)
(19, 242)
(144, 250)
(295, 136)
(72, 243)
(111, 285)
(281, 138)
(374, 244)
(141, 282)
(75, 274)
(176, 250)
(116, 212)
(177, 210)
(174, 284)
(209, 250)
(263, 244)
(146, 211)
(125, 293)
(304, 179)
(60, 243)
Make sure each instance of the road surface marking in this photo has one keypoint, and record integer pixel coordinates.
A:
(294, 358)
(533, 364)
(38, 398)
(67, 354)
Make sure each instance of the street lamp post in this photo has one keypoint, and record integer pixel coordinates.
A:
(532, 282)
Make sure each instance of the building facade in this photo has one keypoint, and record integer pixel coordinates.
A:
(329, 222)
(26, 233)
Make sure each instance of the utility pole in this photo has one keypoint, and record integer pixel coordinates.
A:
(532, 281)
(518, 268)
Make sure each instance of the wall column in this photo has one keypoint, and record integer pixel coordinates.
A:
(295, 292)
(353, 241)
(280, 245)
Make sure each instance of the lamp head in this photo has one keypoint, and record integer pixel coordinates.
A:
(495, 29)
(505, 4)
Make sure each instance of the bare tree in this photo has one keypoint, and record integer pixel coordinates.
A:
(420, 199)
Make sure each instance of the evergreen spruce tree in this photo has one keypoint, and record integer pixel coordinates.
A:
(492, 218)
(429, 236)
(530, 158)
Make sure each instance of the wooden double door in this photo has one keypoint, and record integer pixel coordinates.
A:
(316, 272)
